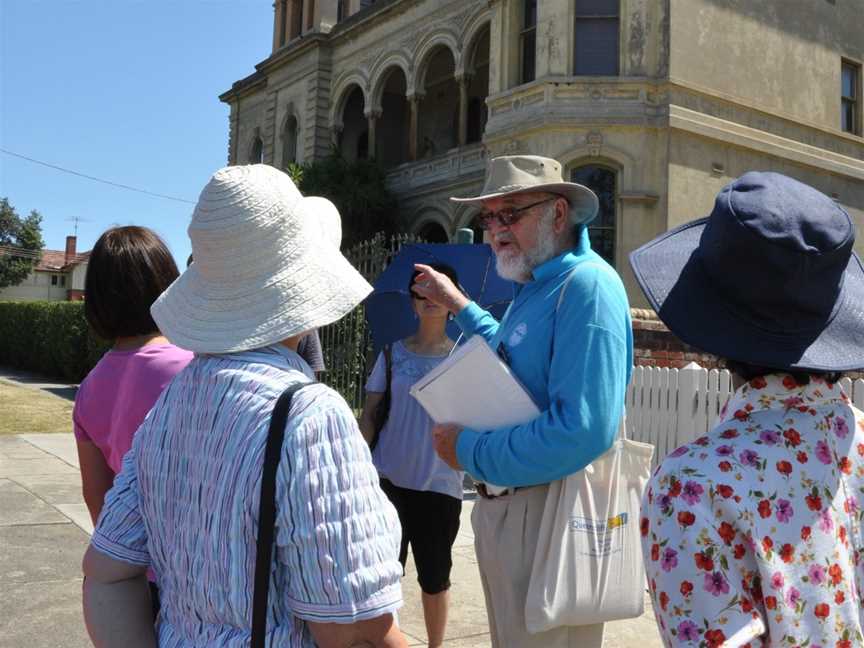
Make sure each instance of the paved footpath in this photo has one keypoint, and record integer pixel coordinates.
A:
(44, 529)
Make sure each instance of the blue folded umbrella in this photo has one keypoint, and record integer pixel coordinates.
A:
(388, 308)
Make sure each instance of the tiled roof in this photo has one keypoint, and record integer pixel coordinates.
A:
(55, 261)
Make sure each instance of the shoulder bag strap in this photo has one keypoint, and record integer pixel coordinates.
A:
(267, 513)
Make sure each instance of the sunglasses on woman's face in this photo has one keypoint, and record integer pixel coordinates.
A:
(416, 296)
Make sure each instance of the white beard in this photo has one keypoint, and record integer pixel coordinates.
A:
(518, 265)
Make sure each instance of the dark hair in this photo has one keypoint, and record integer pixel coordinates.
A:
(801, 376)
(129, 267)
(440, 267)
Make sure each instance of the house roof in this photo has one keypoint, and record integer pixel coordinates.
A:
(55, 261)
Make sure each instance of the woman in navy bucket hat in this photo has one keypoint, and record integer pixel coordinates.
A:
(751, 533)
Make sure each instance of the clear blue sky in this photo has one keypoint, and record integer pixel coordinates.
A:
(125, 90)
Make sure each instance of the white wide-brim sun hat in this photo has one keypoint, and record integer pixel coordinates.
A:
(267, 266)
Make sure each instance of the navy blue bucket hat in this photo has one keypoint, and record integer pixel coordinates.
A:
(769, 278)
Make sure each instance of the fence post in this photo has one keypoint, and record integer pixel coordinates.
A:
(687, 413)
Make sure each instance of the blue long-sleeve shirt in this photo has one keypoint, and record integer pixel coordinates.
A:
(575, 362)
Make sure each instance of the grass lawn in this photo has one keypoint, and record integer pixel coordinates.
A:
(24, 410)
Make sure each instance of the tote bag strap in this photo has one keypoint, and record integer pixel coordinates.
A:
(267, 513)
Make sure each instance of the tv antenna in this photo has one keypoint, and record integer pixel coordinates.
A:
(78, 219)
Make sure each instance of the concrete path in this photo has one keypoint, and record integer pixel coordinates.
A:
(44, 530)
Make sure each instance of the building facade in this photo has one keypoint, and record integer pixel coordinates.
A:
(59, 276)
(655, 104)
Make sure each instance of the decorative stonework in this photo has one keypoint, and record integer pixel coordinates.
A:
(594, 141)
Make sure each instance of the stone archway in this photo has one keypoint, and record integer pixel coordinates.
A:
(354, 137)
(438, 116)
(392, 131)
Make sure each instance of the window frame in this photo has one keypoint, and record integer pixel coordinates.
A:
(528, 31)
(592, 227)
(606, 17)
(855, 100)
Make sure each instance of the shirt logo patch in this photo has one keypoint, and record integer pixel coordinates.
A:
(518, 334)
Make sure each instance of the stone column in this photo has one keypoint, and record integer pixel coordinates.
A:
(414, 103)
(372, 118)
(463, 81)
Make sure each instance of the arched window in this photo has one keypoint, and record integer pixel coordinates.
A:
(433, 233)
(528, 40)
(602, 181)
(289, 142)
(595, 50)
(256, 155)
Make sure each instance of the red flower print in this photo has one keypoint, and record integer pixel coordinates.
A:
(814, 502)
(664, 600)
(842, 534)
(714, 638)
(784, 468)
(767, 544)
(771, 602)
(801, 457)
(675, 488)
(845, 466)
(686, 518)
(686, 588)
(724, 466)
(836, 574)
(746, 605)
(839, 597)
(704, 562)
(655, 551)
(725, 491)
(805, 533)
(789, 382)
(644, 526)
(731, 433)
(758, 383)
(741, 415)
(764, 508)
(861, 449)
(843, 643)
(740, 551)
(793, 437)
(787, 553)
(727, 532)
(822, 610)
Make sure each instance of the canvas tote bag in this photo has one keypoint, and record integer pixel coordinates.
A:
(588, 563)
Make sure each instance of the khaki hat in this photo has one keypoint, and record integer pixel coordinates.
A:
(515, 174)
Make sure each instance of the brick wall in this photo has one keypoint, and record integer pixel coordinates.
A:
(654, 345)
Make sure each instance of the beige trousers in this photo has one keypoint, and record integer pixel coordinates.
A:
(505, 537)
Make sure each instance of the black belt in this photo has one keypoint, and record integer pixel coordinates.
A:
(485, 494)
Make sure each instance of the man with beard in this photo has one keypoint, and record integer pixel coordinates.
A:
(567, 337)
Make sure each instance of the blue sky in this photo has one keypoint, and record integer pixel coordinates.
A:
(125, 90)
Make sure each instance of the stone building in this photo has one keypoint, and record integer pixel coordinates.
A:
(656, 104)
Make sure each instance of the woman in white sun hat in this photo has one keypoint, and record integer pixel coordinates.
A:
(267, 270)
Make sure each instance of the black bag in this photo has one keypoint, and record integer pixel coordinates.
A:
(267, 513)
(382, 412)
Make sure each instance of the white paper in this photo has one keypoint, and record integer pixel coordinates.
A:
(474, 388)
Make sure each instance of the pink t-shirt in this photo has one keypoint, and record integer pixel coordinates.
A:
(119, 391)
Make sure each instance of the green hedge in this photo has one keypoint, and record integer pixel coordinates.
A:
(50, 338)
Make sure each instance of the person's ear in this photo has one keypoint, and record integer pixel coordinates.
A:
(562, 216)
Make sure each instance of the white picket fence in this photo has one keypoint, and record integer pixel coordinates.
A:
(670, 407)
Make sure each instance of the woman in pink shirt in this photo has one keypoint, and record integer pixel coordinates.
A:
(128, 269)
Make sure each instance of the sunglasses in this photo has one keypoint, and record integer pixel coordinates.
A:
(416, 296)
(507, 216)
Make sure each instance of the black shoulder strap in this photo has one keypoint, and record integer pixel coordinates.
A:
(267, 513)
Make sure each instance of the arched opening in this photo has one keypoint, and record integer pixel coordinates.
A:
(256, 152)
(433, 232)
(354, 139)
(391, 131)
(289, 142)
(438, 120)
(478, 88)
(602, 181)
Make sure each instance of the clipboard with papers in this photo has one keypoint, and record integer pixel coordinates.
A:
(474, 388)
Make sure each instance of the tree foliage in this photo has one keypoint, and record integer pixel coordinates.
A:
(359, 191)
(25, 236)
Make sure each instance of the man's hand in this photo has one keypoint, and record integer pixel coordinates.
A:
(444, 439)
(437, 288)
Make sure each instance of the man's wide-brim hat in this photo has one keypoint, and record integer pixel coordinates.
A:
(769, 278)
(267, 266)
(510, 175)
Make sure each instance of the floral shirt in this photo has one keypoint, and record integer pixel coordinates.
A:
(752, 533)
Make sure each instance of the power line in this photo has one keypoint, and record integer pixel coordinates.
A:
(95, 179)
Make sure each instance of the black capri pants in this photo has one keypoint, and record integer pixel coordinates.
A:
(430, 522)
